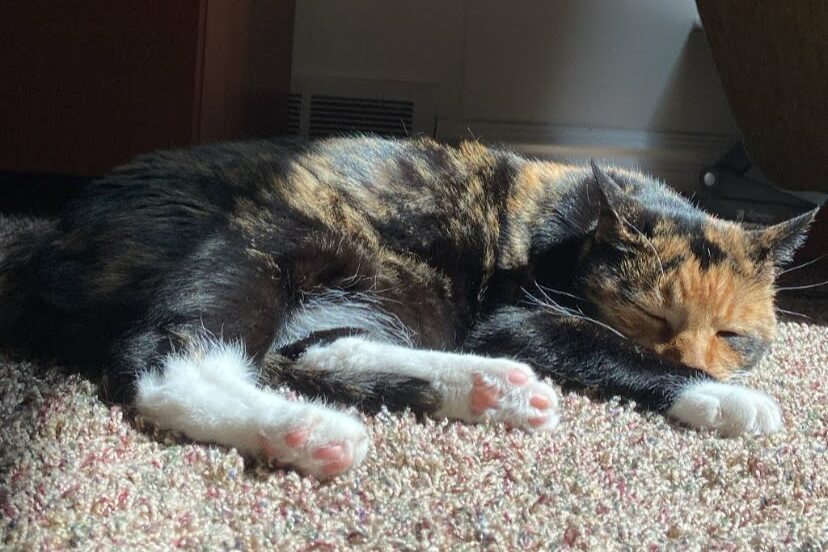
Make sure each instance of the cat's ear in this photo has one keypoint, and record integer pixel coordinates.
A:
(610, 191)
(779, 242)
(611, 198)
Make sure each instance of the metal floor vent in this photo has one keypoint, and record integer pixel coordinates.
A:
(338, 114)
(294, 114)
(325, 106)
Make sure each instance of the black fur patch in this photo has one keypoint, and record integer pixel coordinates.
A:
(751, 348)
(707, 252)
(367, 390)
(322, 337)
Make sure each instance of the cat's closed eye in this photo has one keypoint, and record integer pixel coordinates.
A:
(660, 329)
(655, 317)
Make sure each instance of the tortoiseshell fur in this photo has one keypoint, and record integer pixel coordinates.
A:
(598, 278)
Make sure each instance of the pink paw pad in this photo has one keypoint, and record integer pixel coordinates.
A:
(508, 392)
(296, 438)
(518, 377)
(483, 395)
(337, 457)
(293, 439)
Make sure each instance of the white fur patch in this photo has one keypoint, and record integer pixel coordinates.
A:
(209, 394)
(342, 309)
(451, 374)
(730, 409)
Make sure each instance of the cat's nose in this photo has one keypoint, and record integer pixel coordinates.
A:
(687, 349)
(692, 360)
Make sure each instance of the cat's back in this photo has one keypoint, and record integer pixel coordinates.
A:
(379, 174)
(211, 179)
(160, 208)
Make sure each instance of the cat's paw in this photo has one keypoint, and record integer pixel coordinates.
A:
(315, 440)
(730, 409)
(503, 391)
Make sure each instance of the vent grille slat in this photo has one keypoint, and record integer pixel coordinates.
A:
(323, 130)
(398, 127)
(342, 100)
(294, 114)
(338, 114)
(358, 108)
(328, 114)
(357, 118)
(376, 112)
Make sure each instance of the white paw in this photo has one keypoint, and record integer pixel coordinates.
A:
(503, 391)
(314, 439)
(730, 409)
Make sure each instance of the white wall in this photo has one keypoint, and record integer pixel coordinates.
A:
(629, 65)
(624, 64)
(416, 40)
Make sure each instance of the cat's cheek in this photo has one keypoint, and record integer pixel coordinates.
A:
(730, 409)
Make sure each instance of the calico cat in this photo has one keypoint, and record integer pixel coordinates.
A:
(372, 272)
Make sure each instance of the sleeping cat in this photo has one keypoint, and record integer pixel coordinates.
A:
(372, 272)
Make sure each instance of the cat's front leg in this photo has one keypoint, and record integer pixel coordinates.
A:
(466, 387)
(728, 408)
(576, 352)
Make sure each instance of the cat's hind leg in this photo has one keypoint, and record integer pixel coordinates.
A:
(465, 387)
(193, 365)
(208, 392)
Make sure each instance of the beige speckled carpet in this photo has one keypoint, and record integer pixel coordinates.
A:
(76, 473)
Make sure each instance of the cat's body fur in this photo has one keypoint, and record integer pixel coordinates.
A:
(192, 278)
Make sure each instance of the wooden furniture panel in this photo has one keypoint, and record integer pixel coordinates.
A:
(87, 84)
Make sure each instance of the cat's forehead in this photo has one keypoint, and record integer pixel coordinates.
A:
(706, 242)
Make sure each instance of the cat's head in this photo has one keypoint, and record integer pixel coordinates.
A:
(691, 287)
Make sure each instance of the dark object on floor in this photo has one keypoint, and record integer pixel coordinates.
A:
(727, 189)
(773, 61)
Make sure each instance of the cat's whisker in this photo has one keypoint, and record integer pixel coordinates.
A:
(803, 265)
(531, 299)
(594, 321)
(548, 299)
(792, 313)
(549, 303)
(738, 375)
(556, 308)
(808, 286)
(557, 292)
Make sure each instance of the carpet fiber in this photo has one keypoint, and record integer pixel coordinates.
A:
(75, 472)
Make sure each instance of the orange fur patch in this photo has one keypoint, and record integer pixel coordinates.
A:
(681, 316)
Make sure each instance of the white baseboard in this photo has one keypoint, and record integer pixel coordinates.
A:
(676, 158)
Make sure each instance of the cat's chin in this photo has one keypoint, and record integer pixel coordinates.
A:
(729, 409)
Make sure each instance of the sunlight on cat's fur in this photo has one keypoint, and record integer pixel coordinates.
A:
(399, 274)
